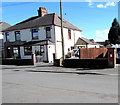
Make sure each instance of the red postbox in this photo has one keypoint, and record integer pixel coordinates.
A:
(111, 55)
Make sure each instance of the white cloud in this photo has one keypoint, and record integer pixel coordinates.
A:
(100, 6)
(101, 35)
(108, 4)
(90, 3)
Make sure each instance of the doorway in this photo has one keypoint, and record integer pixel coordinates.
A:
(8, 52)
(16, 52)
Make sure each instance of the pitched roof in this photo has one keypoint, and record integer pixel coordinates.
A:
(37, 21)
(66, 24)
(31, 43)
(87, 41)
(40, 42)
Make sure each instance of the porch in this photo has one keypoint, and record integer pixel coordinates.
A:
(43, 49)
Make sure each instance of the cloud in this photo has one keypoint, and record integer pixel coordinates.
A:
(100, 6)
(101, 35)
(90, 3)
(108, 4)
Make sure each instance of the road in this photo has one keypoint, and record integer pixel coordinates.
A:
(45, 83)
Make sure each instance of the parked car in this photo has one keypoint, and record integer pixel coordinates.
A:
(72, 54)
(76, 52)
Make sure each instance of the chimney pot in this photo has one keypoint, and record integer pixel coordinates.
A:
(42, 11)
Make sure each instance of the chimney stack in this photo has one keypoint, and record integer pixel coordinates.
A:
(42, 11)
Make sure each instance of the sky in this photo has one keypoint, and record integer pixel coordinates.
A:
(93, 18)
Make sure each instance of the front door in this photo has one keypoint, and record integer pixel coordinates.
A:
(39, 52)
(8, 52)
(16, 52)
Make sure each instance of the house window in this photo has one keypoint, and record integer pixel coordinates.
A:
(17, 35)
(34, 33)
(7, 36)
(69, 34)
(28, 50)
(48, 32)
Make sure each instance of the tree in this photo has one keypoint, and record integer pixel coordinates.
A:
(114, 33)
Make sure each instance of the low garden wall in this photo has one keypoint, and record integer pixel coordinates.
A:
(86, 63)
(118, 61)
(17, 62)
(91, 58)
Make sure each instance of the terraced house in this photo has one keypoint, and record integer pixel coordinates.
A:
(40, 35)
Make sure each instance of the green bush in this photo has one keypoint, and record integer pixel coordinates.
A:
(37, 52)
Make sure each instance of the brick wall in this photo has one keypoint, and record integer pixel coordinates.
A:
(86, 63)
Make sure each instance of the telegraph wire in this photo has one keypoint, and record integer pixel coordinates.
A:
(15, 4)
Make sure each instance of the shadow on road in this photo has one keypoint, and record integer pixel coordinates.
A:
(83, 69)
(80, 73)
(44, 66)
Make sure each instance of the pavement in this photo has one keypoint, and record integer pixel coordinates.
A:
(48, 67)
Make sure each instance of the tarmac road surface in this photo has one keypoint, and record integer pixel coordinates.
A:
(45, 83)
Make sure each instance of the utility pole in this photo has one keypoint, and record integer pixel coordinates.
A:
(63, 55)
(119, 11)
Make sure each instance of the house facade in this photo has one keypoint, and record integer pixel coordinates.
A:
(40, 35)
(3, 26)
(87, 43)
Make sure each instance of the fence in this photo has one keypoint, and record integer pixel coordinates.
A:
(93, 53)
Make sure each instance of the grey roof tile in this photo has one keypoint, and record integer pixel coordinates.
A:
(36, 21)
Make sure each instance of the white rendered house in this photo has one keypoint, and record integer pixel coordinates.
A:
(3, 26)
(40, 34)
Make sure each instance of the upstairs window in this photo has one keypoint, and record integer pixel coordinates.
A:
(69, 34)
(7, 36)
(28, 50)
(48, 32)
(17, 35)
(34, 34)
